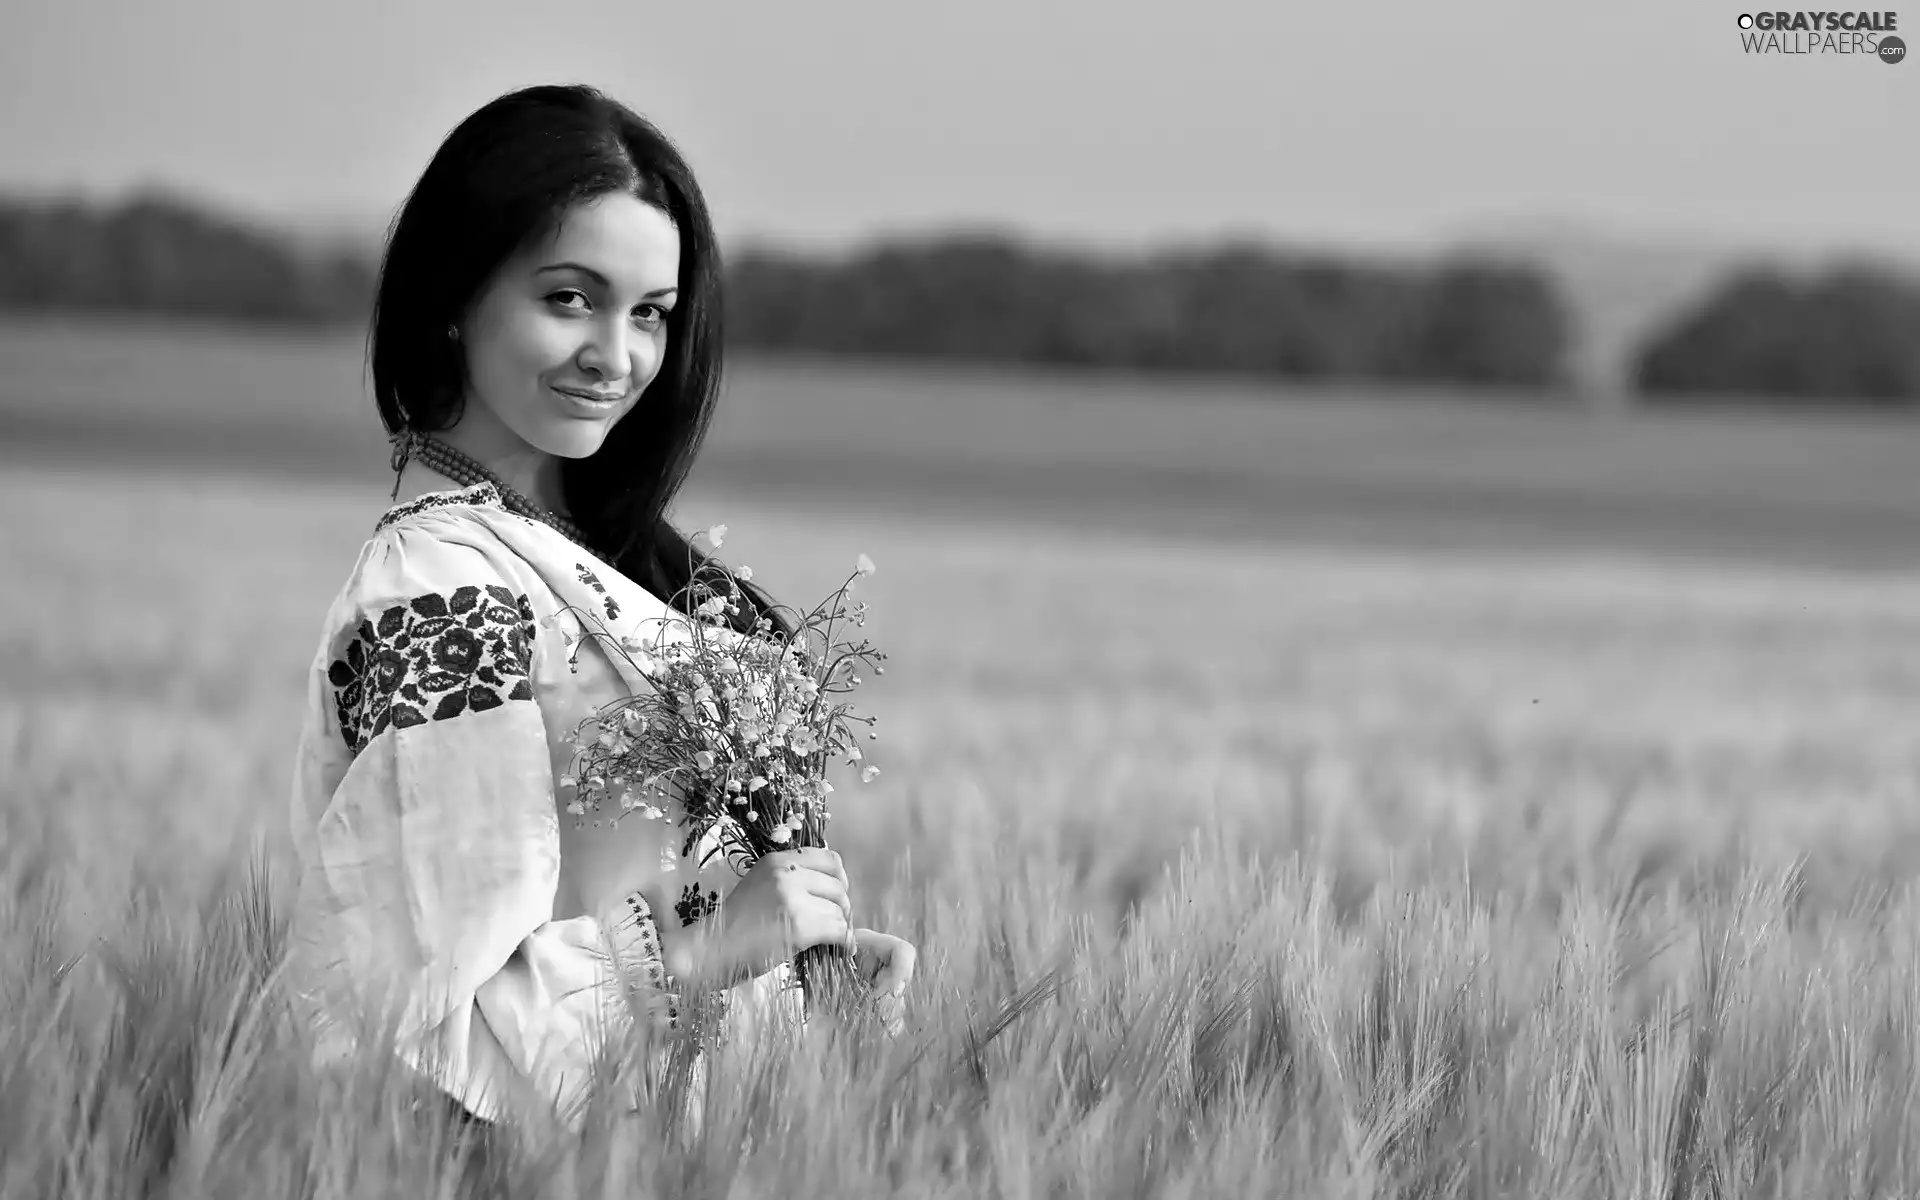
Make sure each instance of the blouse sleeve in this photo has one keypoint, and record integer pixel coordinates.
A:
(430, 872)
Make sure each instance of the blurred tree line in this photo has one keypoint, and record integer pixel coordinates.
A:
(156, 254)
(1239, 308)
(1853, 335)
(972, 298)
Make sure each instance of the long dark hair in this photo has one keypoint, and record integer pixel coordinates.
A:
(505, 176)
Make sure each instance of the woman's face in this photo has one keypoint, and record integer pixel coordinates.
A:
(566, 336)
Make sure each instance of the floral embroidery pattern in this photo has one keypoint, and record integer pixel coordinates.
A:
(694, 906)
(593, 581)
(639, 924)
(432, 659)
(637, 941)
(479, 493)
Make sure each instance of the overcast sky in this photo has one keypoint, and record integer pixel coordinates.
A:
(1389, 123)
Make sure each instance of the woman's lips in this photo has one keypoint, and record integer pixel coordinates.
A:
(590, 403)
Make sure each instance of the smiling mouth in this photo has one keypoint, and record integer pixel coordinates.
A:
(592, 397)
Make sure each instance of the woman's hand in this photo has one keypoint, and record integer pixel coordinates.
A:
(886, 963)
(787, 902)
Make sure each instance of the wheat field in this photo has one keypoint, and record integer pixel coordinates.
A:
(1236, 870)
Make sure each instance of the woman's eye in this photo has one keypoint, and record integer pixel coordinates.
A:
(651, 315)
(569, 294)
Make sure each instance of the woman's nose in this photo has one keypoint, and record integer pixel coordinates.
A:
(605, 352)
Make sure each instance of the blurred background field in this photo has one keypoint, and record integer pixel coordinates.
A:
(1127, 685)
(1256, 459)
(1218, 576)
(1360, 870)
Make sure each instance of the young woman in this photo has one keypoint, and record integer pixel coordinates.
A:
(546, 355)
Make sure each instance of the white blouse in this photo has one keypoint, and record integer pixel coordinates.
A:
(439, 871)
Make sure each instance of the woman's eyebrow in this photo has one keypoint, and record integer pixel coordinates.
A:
(596, 276)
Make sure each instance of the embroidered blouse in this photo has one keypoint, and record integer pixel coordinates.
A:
(441, 879)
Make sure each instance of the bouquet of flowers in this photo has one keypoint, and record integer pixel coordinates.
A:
(739, 727)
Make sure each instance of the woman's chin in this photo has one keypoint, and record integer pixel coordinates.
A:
(575, 439)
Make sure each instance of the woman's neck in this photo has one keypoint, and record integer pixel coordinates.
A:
(533, 473)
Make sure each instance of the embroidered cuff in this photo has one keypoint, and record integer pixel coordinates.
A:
(636, 939)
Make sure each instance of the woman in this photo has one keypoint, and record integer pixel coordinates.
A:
(546, 354)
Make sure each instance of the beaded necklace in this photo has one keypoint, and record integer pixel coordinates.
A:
(462, 469)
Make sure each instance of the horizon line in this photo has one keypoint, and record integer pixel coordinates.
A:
(1540, 231)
